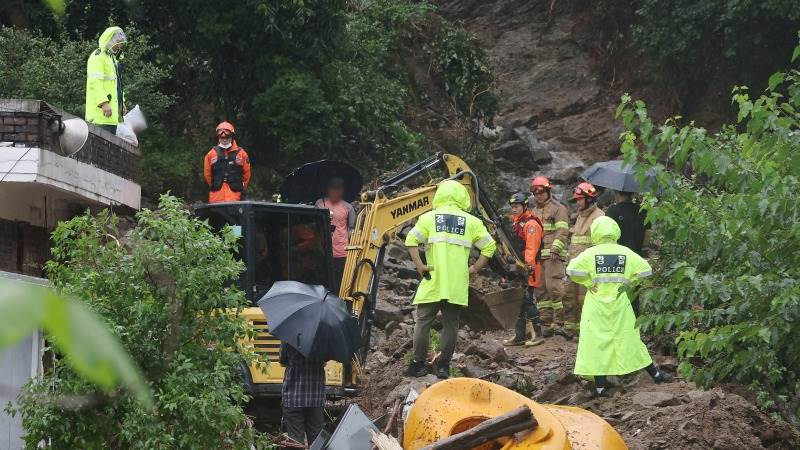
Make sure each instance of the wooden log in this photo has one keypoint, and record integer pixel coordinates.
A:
(395, 412)
(384, 442)
(520, 419)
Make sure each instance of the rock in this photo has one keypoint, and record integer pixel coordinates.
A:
(474, 371)
(397, 252)
(406, 384)
(512, 151)
(390, 328)
(489, 349)
(567, 176)
(404, 270)
(386, 312)
(655, 398)
(541, 155)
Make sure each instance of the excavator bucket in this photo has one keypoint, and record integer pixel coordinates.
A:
(494, 310)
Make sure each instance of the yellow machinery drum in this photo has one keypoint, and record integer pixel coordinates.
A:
(455, 405)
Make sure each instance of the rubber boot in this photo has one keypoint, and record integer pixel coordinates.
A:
(443, 371)
(416, 369)
(537, 336)
(519, 334)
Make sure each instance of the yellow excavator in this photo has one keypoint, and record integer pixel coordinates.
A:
(282, 241)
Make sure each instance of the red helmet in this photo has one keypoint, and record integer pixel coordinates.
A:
(225, 128)
(584, 190)
(542, 182)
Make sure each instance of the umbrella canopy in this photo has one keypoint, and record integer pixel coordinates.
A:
(309, 182)
(616, 175)
(312, 320)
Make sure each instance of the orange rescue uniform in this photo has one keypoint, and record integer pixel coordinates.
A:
(527, 227)
(225, 193)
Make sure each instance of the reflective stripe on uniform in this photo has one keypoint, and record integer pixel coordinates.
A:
(486, 240)
(581, 240)
(545, 252)
(418, 234)
(561, 225)
(450, 240)
(646, 273)
(558, 245)
(557, 305)
(544, 304)
(601, 280)
(100, 76)
(577, 273)
(549, 227)
(572, 326)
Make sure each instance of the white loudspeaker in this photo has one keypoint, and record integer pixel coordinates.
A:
(72, 136)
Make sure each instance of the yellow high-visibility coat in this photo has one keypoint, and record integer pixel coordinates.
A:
(610, 343)
(103, 83)
(449, 232)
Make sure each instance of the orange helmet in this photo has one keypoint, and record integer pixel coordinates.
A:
(584, 190)
(225, 128)
(541, 182)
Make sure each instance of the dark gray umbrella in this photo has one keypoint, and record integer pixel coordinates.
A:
(616, 175)
(312, 320)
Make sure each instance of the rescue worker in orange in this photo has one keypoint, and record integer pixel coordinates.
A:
(555, 220)
(586, 197)
(226, 167)
(529, 229)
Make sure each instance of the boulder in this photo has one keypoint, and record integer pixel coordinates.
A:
(396, 251)
(385, 313)
(474, 370)
(512, 151)
(406, 384)
(655, 399)
(541, 155)
(488, 349)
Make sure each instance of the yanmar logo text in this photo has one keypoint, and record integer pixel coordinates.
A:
(407, 208)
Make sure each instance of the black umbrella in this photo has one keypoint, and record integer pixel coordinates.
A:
(616, 175)
(309, 182)
(312, 320)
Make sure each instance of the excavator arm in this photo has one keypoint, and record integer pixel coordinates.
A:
(390, 207)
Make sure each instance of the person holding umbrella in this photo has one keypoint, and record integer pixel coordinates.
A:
(632, 220)
(449, 233)
(610, 343)
(343, 221)
(314, 327)
(585, 195)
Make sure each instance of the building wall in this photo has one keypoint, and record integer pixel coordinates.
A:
(23, 248)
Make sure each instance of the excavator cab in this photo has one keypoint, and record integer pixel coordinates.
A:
(278, 241)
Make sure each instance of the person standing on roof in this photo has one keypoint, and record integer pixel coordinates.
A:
(105, 97)
(226, 167)
(343, 221)
(610, 343)
(449, 232)
(529, 228)
(586, 196)
(555, 221)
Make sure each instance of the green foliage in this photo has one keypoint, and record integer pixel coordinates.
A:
(748, 35)
(89, 348)
(728, 280)
(462, 68)
(162, 289)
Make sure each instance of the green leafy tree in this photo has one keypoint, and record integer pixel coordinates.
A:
(727, 286)
(163, 289)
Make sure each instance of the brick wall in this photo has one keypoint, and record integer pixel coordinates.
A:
(102, 149)
(23, 248)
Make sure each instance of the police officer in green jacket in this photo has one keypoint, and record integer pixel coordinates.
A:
(449, 232)
(610, 343)
(105, 99)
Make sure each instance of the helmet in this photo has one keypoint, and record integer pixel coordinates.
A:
(225, 128)
(542, 182)
(585, 190)
(519, 197)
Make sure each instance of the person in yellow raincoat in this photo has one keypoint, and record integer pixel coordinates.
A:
(610, 343)
(449, 232)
